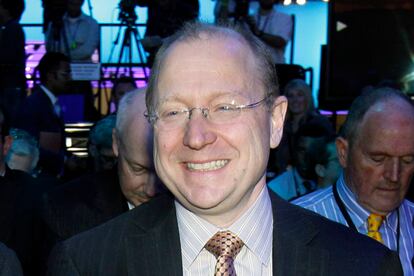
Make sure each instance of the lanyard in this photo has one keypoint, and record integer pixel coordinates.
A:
(349, 221)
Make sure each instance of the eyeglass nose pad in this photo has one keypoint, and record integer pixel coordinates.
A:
(204, 112)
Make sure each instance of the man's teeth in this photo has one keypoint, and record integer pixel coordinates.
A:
(209, 166)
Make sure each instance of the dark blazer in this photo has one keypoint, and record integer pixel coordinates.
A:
(19, 199)
(37, 114)
(9, 264)
(79, 205)
(146, 241)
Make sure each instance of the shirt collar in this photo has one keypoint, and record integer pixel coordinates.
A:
(358, 214)
(254, 227)
(49, 94)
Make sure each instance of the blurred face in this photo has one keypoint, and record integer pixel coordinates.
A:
(303, 164)
(74, 7)
(379, 166)
(120, 91)
(137, 177)
(297, 101)
(59, 80)
(332, 168)
(215, 171)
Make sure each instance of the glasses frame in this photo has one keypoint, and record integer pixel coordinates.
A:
(153, 118)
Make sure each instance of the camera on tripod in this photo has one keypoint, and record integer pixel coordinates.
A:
(127, 11)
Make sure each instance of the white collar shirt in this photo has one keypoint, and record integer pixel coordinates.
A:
(255, 228)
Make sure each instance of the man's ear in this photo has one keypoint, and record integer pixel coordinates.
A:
(320, 170)
(342, 148)
(8, 140)
(115, 142)
(277, 120)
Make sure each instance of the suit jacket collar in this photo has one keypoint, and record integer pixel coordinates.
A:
(158, 233)
(292, 233)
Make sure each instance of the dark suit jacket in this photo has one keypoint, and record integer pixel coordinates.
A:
(35, 115)
(146, 241)
(79, 205)
(9, 264)
(19, 199)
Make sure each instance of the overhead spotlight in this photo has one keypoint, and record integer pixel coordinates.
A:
(301, 2)
(287, 2)
(325, 0)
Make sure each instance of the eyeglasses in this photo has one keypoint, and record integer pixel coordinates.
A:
(218, 114)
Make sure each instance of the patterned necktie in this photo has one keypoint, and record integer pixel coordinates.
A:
(225, 246)
(374, 224)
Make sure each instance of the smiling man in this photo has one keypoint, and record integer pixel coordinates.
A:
(376, 151)
(214, 106)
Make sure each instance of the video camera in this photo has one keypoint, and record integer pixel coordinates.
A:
(127, 11)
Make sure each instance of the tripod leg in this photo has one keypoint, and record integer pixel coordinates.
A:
(140, 53)
(125, 43)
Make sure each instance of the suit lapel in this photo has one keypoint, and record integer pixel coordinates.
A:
(161, 241)
(292, 234)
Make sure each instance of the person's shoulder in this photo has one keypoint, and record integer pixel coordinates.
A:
(136, 221)
(343, 244)
(315, 198)
(408, 206)
(281, 15)
(37, 96)
(9, 264)
(73, 189)
(89, 18)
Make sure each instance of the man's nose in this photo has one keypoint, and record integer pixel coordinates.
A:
(153, 186)
(392, 169)
(198, 131)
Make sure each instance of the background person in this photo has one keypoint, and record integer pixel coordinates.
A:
(376, 150)
(93, 199)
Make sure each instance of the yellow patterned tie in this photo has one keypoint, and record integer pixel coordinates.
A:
(374, 224)
(225, 246)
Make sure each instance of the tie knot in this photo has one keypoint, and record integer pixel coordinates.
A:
(224, 243)
(374, 222)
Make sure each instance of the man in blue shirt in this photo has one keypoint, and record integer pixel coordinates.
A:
(376, 150)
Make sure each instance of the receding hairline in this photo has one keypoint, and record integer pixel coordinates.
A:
(383, 108)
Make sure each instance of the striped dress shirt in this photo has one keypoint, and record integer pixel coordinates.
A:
(323, 203)
(255, 228)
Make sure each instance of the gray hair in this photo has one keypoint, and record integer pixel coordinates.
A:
(124, 108)
(23, 144)
(100, 134)
(361, 106)
(193, 31)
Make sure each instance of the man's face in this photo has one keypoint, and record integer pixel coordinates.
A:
(137, 177)
(215, 171)
(74, 7)
(379, 166)
(59, 80)
(303, 162)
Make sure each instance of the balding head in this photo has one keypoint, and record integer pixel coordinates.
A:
(132, 144)
(376, 149)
